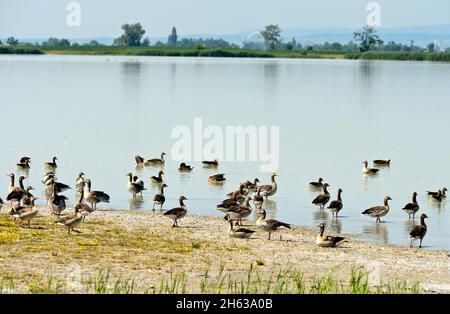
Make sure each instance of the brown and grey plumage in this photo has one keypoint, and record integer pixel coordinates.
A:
(157, 161)
(234, 200)
(158, 178)
(11, 186)
(73, 220)
(217, 178)
(95, 197)
(318, 184)
(134, 186)
(367, 170)
(159, 199)
(239, 212)
(323, 198)
(258, 200)
(248, 185)
(210, 163)
(46, 178)
(378, 211)
(79, 183)
(17, 193)
(418, 232)
(241, 233)
(52, 164)
(327, 241)
(443, 192)
(27, 213)
(438, 197)
(382, 162)
(178, 212)
(336, 205)
(413, 207)
(27, 199)
(269, 225)
(184, 167)
(240, 191)
(1, 203)
(24, 163)
(60, 187)
(270, 189)
(57, 203)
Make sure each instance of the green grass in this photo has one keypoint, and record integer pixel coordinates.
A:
(21, 50)
(285, 281)
(400, 56)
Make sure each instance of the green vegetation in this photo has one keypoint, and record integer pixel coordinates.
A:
(401, 56)
(285, 281)
(21, 50)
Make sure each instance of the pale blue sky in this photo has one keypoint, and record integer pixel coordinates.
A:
(102, 18)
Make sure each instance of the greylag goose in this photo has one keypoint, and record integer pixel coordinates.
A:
(443, 191)
(269, 189)
(134, 187)
(323, 198)
(378, 211)
(48, 175)
(18, 192)
(269, 225)
(438, 197)
(184, 167)
(367, 170)
(158, 178)
(241, 233)
(217, 178)
(241, 191)
(52, 164)
(233, 201)
(382, 162)
(178, 212)
(56, 203)
(327, 241)
(336, 205)
(24, 163)
(81, 207)
(318, 184)
(95, 197)
(79, 183)
(418, 232)
(249, 186)
(28, 213)
(60, 187)
(239, 212)
(157, 161)
(139, 182)
(210, 163)
(258, 200)
(72, 221)
(412, 208)
(159, 199)
(11, 182)
(27, 199)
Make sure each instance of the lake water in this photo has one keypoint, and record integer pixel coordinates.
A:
(97, 113)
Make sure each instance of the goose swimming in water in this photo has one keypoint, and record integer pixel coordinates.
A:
(336, 205)
(134, 187)
(24, 163)
(439, 197)
(327, 241)
(418, 232)
(158, 178)
(79, 183)
(157, 161)
(178, 212)
(27, 214)
(378, 211)
(318, 184)
(210, 163)
(443, 191)
(367, 170)
(381, 162)
(184, 167)
(269, 225)
(159, 199)
(270, 189)
(240, 233)
(52, 164)
(217, 178)
(95, 197)
(412, 208)
(323, 198)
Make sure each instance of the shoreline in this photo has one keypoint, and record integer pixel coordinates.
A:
(144, 247)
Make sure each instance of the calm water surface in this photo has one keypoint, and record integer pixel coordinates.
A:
(96, 113)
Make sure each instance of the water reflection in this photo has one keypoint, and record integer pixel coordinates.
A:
(336, 225)
(131, 75)
(320, 216)
(271, 73)
(136, 203)
(378, 231)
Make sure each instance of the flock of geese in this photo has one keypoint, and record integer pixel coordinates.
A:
(236, 207)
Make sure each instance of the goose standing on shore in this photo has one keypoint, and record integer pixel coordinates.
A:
(318, 184)
(178, 212)
(11, 186)
(134, 187)
(52, 164)
(157, 161)
(239, 212)
(217, 178)
(211, 163)
(184, 167)
(327, 241)
(336, 205)
(323, 198)
(158, 178)
(236, 199)
(57, 203)
(413, 207)
(382, 162)
(240, 233)
(79, 183)
(27, 199)
(269, 225)
(159, 199)
(17, 193)
(60, 187)
(95, 197)
(378, 211)
(268, 190)
(72, 221)
(418, 232)
(24, 163)
(28, 213)
(367, 170)
(258, 200)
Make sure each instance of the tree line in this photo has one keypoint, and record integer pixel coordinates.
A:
(270, 38)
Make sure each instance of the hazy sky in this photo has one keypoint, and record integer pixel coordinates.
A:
(102, 18)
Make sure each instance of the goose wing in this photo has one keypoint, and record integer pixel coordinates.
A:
(418, 231)
(321, 198)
